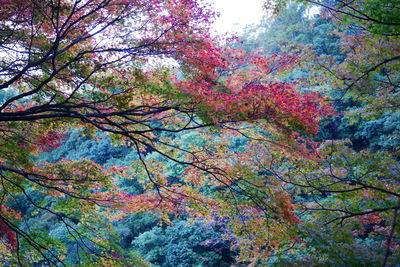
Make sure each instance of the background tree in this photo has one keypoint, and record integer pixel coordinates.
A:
(351, 193)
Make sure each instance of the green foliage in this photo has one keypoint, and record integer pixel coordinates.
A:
(133, 225)
(331, 246)
(183, 245)
(293, 26)
(78, 146)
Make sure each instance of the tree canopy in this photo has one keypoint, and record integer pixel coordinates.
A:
(127, 128)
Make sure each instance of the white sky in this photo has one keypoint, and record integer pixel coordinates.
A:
(235, 14)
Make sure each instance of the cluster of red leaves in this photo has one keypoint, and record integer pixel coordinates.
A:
(5, 230)
(14, 9)
(370, 219)
(50, 141)
(7, 233)
(275, 101)
(233, 85)
(286, 207)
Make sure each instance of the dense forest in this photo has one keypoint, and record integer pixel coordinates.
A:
(131, 135)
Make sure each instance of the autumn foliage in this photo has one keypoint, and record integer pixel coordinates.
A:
(98, 66)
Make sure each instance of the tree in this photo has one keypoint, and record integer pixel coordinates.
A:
(184, 245)
(350, 191)
(376, 16)
(371, 26)
(95, 65)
